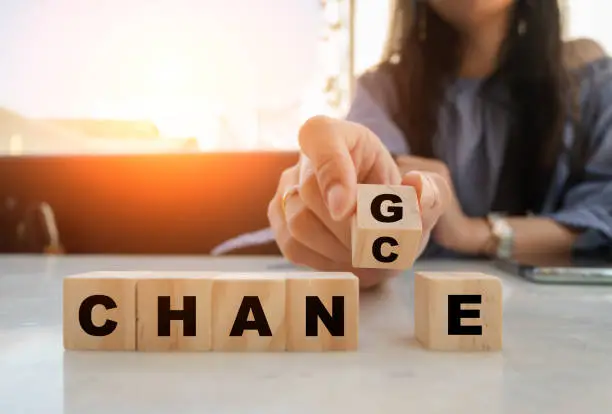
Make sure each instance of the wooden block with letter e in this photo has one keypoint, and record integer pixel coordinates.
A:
(174, 312)
(458, 311)
(386, 229)
(248, 312)
(99, 311)
(322, 311)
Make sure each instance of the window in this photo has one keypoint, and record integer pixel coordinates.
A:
(125, 76)
(133, 76)
(589, 19)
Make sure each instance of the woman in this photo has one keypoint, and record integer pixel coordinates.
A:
(485, 94)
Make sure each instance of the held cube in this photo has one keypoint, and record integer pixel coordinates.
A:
(458, 311)
(386, 230)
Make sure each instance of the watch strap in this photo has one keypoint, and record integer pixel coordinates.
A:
(504, 235)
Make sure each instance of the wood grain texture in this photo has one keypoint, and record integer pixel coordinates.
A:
(431, 311)
(230, 293)
(106, 304)
(189, 292)
(324, 287)
(386, 229)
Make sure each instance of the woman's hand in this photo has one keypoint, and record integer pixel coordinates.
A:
(311, 210)
(453, 230)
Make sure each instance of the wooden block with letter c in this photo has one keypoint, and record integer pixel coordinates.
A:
(99, 311)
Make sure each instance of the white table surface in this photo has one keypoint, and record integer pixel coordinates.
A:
(557, 355)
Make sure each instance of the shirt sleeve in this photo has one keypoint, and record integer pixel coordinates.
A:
(587, 204)
(372, 107)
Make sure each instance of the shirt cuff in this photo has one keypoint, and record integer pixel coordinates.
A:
(596, 223)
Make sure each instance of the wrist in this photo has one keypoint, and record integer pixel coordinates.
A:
(502, 236)
(475, 238)
(484, 242)
(488, 243)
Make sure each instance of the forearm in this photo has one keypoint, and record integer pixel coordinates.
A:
(531, 235)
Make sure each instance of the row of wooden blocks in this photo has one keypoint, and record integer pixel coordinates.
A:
(248, 312)
(204, 311)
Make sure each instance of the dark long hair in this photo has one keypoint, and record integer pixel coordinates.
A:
(424, 53)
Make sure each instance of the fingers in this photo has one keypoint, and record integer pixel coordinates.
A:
(300, 235)
(310, 194)
(433, 192)
(329, 149)
(341, 153)
(409, 163)
(307, 229)
(299, 254)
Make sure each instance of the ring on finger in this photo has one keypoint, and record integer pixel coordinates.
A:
(288, 193)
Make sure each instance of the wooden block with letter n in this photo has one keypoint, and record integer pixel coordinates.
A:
(386, 229)
(174, 312)
(248, 312)
(322, 311)
(99, 311)
(458, 311)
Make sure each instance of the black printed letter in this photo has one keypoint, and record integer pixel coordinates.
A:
(259, 322)
(165, 315)
(455, 313)
(377, 249)
(85, 315)
(397, 212)
(315, 310)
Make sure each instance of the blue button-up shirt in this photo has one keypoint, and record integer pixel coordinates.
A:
(471, 140)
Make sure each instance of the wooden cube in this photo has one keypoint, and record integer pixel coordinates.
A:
(458, 311)
(386, 229)
(99, 311)
(249, 312)
(322, 311)
(174, 312)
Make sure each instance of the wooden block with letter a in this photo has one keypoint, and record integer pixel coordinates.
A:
(386, 229)
(458, 311)
(99, 311)
(322, 311)
(174, 312)
(248, 312)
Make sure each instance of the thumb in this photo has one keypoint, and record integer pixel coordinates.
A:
(330, 146)
(431, 191)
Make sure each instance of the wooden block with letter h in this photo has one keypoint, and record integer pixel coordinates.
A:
(458, 311)
(204, 311)
(173, 311)
(386, 229)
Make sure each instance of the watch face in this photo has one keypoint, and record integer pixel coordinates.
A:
(502, 229)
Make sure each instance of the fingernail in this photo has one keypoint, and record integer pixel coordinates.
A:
(428, 196)
(336, 202)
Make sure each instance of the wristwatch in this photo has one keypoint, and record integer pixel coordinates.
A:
(503, 233)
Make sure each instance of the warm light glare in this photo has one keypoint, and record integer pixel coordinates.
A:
(196, 68)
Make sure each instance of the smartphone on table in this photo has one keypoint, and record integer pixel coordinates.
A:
(560, 270)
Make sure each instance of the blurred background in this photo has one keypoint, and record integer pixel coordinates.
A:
(133, 76)
(142, 76)
(154, 125)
